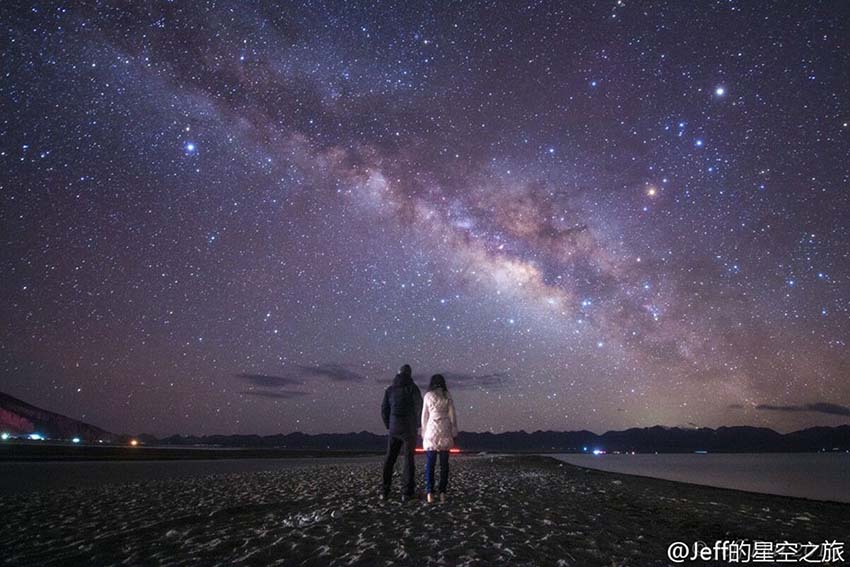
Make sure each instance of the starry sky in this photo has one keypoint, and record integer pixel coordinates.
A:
(242, 217)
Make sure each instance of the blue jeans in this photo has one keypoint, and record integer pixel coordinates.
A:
(430, 464)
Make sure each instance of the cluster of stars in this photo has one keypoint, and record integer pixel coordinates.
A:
(222, 217)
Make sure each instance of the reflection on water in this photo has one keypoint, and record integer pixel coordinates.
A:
(819, 476)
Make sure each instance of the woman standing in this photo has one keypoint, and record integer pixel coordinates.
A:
(439, 428)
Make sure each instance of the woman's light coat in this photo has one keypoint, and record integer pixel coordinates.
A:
(439, 421)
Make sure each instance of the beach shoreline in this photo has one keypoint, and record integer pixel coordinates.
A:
(519, 510)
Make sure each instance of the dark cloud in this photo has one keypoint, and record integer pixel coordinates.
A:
(275, 394)
(462, 381)
(334, 372)
(296, 375)
(268, 381)
(818, 407)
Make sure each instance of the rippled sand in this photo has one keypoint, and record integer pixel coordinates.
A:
(512, 510)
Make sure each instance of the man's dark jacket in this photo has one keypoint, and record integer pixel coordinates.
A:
(402, 407)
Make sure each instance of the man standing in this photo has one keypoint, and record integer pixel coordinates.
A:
(401, 412)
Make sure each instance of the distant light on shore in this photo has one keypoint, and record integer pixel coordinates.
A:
(75, 440)
(134, 442)
(35, 437)
(4, 436)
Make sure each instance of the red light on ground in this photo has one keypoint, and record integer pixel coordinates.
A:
(454, 450)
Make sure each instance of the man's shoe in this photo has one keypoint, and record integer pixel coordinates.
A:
(385, 494)
(429, 498)
(407, 498)
(443, 497)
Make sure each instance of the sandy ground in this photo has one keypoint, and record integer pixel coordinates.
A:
(29, 476)
(509, 510)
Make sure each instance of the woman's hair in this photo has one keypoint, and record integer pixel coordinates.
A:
(438, 382)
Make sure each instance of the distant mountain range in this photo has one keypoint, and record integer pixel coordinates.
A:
(20, 418)
(642, 440)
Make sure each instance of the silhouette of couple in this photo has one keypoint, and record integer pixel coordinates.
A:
(403, 411)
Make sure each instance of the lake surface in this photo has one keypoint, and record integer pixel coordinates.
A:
(819, 476)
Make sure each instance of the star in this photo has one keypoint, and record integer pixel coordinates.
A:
(251, 196)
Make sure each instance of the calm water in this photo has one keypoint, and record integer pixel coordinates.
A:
(819, 476)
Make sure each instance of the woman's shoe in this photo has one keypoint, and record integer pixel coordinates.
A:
(442, 497)
(430, 498)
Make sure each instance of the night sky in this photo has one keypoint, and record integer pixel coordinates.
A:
(243, 218)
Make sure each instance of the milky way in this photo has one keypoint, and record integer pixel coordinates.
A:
(240, 217)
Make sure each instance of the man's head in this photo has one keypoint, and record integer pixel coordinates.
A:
(406, 370)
